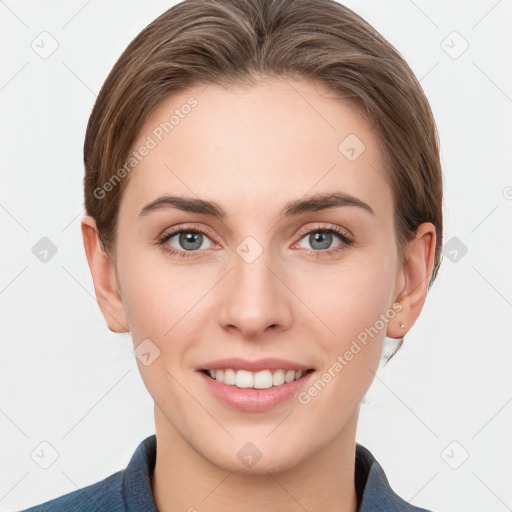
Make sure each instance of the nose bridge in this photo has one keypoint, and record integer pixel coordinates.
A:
(256, 298)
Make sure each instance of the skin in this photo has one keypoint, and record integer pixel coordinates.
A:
(252, 149)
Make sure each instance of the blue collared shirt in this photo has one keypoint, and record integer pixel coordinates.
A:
(129, 490)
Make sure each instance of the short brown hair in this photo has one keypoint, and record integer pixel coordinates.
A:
(236, 41)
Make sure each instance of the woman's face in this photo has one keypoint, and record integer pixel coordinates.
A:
(262, 281)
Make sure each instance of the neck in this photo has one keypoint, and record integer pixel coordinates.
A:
(184, 480)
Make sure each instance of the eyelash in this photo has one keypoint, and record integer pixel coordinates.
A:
(346, 240)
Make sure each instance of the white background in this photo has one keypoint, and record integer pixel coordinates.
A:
(66, 379)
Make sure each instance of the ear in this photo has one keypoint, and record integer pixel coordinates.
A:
(104, 277)
(413, 279)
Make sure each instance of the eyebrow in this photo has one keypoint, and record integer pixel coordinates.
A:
(313, 203)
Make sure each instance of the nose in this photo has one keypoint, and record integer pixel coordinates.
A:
(255, 297)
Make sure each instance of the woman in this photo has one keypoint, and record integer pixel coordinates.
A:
(263, 198)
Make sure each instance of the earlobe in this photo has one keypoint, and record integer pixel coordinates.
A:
(104, 278)
(398, 326)
(416, 271)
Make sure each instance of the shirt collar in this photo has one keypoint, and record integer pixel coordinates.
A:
(372, 487)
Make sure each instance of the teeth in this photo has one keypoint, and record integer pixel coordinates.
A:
(229, 377)
(257, 380)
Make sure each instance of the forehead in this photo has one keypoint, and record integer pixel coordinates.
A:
(257, 145)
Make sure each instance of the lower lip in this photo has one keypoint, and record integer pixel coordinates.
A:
(255, 400)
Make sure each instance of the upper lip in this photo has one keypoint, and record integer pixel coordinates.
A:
(238, 363)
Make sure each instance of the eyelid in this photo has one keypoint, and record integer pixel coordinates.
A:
(325, 226)
(186, 227)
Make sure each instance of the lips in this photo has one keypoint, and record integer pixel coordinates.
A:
(255, 398)
(254, 385)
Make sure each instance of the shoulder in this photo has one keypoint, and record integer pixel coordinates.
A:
(103, 495)
(374, 491)
(123, 491)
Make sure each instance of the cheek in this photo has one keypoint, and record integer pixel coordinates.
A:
(351, 303)
(157, 310)
(349, 298)
(149, 296)
(352, 343)
(163, 303)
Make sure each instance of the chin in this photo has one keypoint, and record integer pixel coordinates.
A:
(258, 458)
